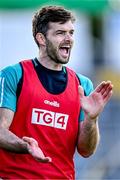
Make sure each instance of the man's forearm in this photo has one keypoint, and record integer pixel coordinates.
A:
(88, 137)
(11, 142)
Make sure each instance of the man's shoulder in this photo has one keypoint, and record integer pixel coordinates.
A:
(83, 78)
(13, 68)
(12, 72)
(86, 83)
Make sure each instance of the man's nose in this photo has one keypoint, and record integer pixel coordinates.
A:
(68, 37)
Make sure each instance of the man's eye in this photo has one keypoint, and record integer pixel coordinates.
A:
(61, 32)
(71, 33)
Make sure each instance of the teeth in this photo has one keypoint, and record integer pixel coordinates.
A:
(65, 46)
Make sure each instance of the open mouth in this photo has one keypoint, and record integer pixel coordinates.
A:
(64, 51)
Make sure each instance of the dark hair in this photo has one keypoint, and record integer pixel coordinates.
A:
(48, 14)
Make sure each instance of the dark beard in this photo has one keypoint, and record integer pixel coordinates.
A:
(52, 53)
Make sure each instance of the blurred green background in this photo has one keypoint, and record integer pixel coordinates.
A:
(90, 6)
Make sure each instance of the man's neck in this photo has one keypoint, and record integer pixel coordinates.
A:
(49, 64)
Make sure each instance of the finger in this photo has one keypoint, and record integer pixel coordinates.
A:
(103, 86)
(44, 160)
(100, 86)
(106, 88)
(29, 140)
(41, 157)
(49, 159)
(81, 91)
(108, 96)
(108, 91)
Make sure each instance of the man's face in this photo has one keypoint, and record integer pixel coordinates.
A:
(59, 41)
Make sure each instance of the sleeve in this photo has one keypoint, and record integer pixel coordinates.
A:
(9, 78)
(87, 85)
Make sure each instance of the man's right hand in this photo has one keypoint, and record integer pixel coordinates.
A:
(35, 150)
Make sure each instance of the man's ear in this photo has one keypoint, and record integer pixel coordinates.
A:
(40, 39)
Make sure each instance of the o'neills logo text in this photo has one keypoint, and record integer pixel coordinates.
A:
(52, 103)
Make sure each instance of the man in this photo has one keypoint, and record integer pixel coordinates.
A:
(47, 111)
